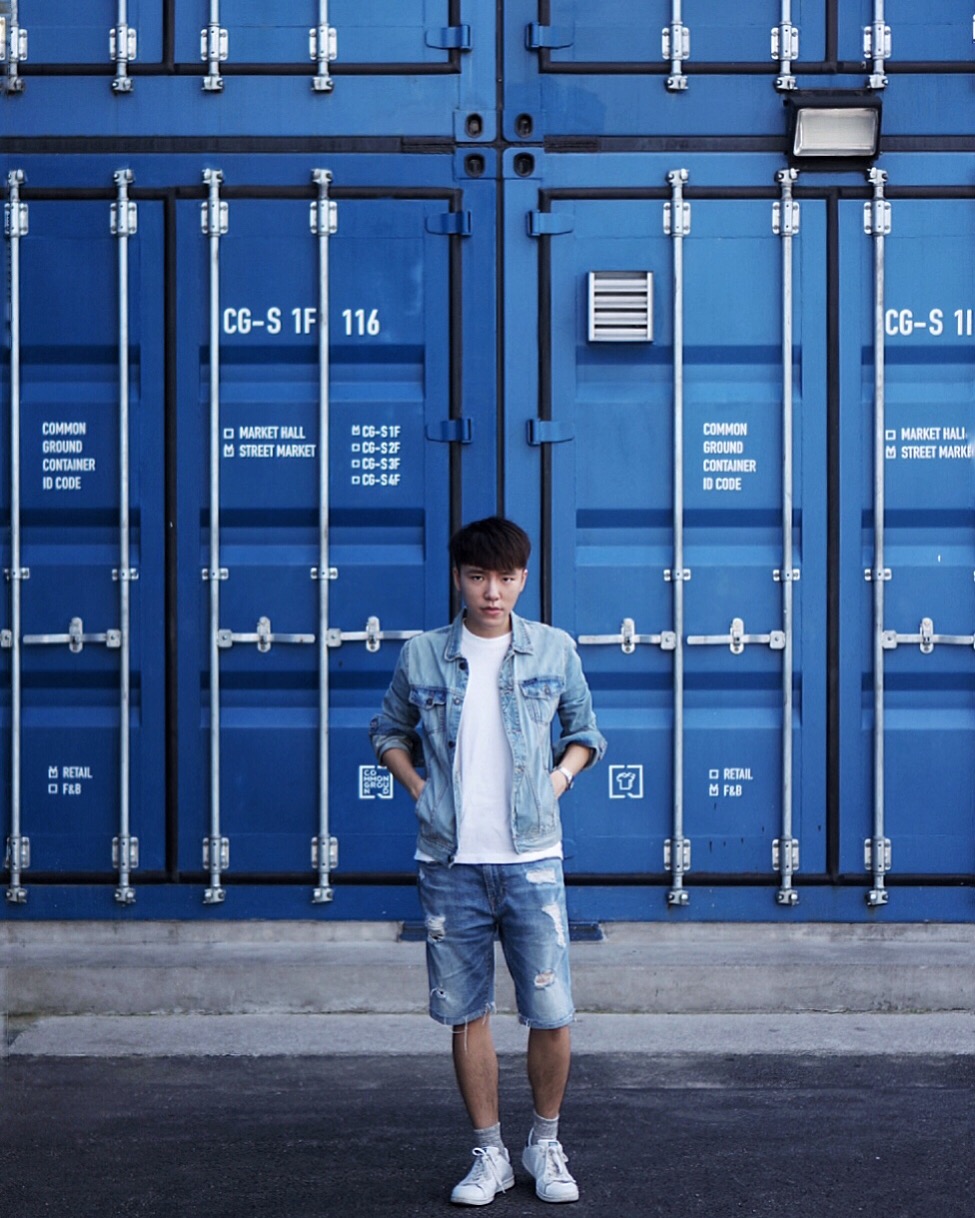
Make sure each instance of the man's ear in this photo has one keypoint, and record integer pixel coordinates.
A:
(456, 575)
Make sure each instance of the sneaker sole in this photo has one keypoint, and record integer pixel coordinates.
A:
(557, 1200)
(503, 1189)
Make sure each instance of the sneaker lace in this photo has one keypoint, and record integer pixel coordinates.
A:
(484, 1167)
(556, 1163)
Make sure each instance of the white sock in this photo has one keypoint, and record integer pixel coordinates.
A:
(543, 1129)
(491, 1136)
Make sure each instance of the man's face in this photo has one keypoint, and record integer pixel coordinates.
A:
(490, 597)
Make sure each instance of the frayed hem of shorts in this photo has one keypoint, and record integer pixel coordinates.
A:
(527, 1022)
(490, 1009)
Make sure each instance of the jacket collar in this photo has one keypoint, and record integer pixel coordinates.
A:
(520, 639)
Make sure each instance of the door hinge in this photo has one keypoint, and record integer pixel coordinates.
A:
(451, 431)
(450, 38)
(451, 224)
(549, 431)
(540, 37)
(549, 223)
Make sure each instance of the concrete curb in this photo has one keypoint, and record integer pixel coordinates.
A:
(417, 1035)
(53, 969)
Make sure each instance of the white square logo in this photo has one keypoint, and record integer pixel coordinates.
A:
(626, 782)
(375, 782)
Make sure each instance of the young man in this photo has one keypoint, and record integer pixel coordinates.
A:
(473, 703)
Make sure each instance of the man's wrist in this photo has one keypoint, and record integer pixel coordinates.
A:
(567, 775)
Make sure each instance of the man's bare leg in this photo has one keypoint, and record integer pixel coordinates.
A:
(476, 1067)
(549, 1055)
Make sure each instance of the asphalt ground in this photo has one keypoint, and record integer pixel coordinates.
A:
(716, 1135)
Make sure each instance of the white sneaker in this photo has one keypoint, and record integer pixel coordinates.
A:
(546, 1161)
(491, 1174)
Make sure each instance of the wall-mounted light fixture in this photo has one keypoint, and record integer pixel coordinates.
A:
(831, 130)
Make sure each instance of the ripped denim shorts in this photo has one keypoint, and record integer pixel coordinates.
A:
(464, 905)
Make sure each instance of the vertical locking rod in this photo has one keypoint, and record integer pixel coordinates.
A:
(323, 47)
(124, 224)
(15, 50)
(788, 224)
(678, 894)
(879, 210)
(323, 226)
(877, 46)
(16, 229)
(123, 49)
(786, 47)
(214, 228)
(677, 39)
(214, 50)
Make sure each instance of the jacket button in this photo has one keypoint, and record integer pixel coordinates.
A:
(450, 744)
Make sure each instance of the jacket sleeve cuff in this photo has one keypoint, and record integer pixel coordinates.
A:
(590, 739)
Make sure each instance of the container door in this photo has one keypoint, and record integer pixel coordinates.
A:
(629, 69)
(248, 68)
(922, 37)
(64, 32)
(907, 667)
(689, 600)
(917, 57)
(85, 638)
(286, 581)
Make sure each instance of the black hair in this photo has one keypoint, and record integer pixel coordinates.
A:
(493, 544)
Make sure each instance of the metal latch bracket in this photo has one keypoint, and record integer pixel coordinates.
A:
(76, 638)
(125, 853)
(216, 848)
(628, 639)
(326, 848)
(263, 636)
(372, 636)
(737, 639)
(682, 851)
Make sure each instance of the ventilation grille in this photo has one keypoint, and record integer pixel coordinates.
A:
(620, 306)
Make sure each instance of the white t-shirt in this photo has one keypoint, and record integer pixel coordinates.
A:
(483, 765)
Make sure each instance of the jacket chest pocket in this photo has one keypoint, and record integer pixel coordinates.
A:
(431, 702)
(541, 697)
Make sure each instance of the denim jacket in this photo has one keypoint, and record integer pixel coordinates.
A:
(541, 677)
